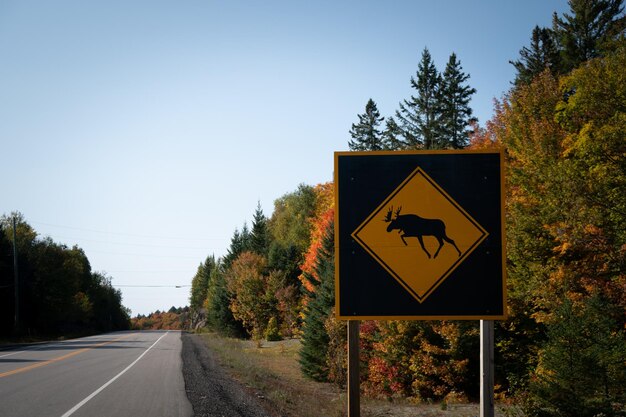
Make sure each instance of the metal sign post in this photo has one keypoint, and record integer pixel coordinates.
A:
(419, 235)
(486, 368)
(354, 395)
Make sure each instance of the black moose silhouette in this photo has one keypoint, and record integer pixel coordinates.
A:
(412, 225)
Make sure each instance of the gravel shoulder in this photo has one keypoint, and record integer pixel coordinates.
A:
(209, 388)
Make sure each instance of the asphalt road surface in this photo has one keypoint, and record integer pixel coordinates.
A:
(117, 374)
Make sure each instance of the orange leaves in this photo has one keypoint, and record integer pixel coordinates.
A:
(158, 321)
(384, 378)
(324, 215)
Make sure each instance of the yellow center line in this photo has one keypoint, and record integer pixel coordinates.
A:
(60, 358)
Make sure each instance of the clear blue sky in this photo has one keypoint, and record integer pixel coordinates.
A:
(145, 132)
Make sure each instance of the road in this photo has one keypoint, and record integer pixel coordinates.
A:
(117, 374)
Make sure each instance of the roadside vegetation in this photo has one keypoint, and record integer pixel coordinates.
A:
(562, 351)
(58, 293)
(271, 371)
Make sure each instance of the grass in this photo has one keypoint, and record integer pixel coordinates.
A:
(272, 372)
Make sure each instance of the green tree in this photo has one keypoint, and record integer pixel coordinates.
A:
(286, 259)
(271, 332)
(200, 283)
(290, 222)
(259, 235)
(108, 312)
(219, 315)
(57, 285)
(393, 135)
(366, 135)
(456, 113)
(419, 117)
(581, 369)
(590, 26)
(315, 339)
(239, 243)
(542, 54)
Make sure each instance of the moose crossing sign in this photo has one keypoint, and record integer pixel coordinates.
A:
(419, 235)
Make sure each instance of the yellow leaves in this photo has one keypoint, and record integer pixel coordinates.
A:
(562, 248)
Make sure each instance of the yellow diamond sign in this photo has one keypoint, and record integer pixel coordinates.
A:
(419, 234)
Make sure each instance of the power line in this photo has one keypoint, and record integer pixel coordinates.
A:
(129, 244)
(151, 286)
(123, 234)
(148, 271)
(143, 254)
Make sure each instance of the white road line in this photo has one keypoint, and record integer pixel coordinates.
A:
(9, 354)
(99, 390)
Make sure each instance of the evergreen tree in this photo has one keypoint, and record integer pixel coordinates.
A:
(588, 28)
(240, 242)
(287, 259)
(456, 114)
(419, 117)
(245, 237)
(392, 135)
(200, 283)
(219, 315)
(315, 339)
(259, 236)
(582, 364)
(542, 53)
(366, 135)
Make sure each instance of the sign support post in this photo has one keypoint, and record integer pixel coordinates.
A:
(354, 395)
(486, 369)
(413, 231)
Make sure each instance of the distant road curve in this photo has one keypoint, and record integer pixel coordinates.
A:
(117, 374)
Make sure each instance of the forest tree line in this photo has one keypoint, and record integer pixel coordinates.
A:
(176, 318)
(562, 128)
(58, 293)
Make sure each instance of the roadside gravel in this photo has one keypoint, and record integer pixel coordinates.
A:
(209, 389)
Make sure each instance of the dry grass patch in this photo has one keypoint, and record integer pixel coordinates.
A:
(272, 372)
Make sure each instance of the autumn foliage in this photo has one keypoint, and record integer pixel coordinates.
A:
(173, 319)
(562, 350)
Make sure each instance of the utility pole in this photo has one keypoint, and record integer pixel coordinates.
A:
(16, 278)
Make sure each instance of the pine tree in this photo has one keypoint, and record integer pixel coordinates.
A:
(542, 53)
(365, 135)
(582, 370)
(200, 283)
(315, 339)
(393, 135)
(239, 242)
(259, 236)
(219, 315)
(419, 117)
(456, 114)
(585, 32)
(245, 237)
